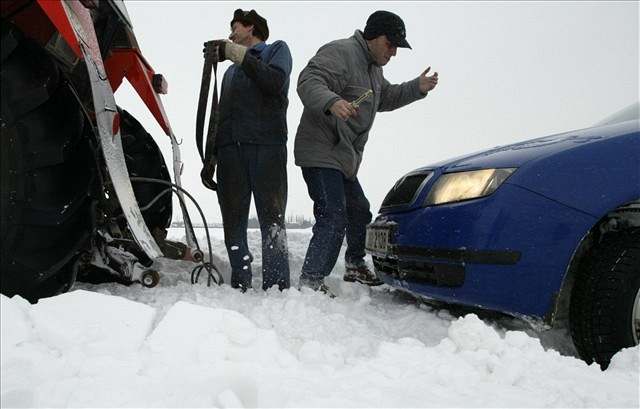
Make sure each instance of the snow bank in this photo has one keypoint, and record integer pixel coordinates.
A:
(73, 349)
(183, 345)
(291, 349)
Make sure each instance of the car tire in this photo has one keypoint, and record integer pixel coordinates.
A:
(46, 172)
(603, 314)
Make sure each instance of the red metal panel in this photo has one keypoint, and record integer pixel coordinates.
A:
(130, 64)
(74, 23)
(117, 65)
(58, 16)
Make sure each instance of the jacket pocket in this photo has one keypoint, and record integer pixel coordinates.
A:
(343, 151)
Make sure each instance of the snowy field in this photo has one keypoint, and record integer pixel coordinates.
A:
(183, 345)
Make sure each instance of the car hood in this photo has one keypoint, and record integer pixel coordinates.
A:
(518, 154)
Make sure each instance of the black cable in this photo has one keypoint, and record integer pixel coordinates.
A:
(149, 204)
(195, 273)
(155, 199)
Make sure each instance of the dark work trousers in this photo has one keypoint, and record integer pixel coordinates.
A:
(339, 206)
(244, 169)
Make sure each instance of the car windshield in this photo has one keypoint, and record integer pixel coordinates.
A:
(626, 114)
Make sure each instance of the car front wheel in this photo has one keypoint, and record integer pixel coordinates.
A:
(605, 301)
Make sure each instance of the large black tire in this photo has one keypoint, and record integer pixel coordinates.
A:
(144, 159)
(47, 170)
(602, 300)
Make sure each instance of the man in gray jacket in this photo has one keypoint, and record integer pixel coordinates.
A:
(342, 87)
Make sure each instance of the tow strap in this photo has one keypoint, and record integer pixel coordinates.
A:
(207, 156)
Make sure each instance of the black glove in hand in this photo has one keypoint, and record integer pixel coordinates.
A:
(207, 174)
(209, 49)
(215, 47)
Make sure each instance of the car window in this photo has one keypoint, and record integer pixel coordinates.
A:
(626, 114)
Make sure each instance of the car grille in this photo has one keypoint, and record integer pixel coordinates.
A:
(405, 190)
(435, 274)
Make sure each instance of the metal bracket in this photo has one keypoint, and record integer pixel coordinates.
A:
(109, 134)
(121, 263)
(177, 175)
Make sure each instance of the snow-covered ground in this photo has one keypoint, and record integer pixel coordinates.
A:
(183, 345)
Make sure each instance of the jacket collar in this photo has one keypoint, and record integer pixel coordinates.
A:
(258, 47)
(365, 48)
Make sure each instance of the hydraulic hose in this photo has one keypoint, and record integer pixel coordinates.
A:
(208, 266)
(149, 204)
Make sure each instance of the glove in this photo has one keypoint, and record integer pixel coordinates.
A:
(226, 50)
(206, 174)
(234, 52)
(214, 47)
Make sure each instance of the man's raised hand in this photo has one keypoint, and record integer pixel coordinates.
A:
(217, 48)
(427, 83)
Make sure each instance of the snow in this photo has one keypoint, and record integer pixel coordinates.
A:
(112, 325)
(183, 345)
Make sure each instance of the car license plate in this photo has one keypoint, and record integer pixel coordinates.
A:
(377, 240)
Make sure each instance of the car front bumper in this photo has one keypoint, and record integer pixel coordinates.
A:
(507, 252)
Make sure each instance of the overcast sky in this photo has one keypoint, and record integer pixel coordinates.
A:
(508, 71)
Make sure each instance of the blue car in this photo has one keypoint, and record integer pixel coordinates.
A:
(547, 229)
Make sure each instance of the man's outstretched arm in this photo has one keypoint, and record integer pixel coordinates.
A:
(395, 96)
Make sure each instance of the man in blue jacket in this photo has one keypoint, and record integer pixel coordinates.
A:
(251, 148)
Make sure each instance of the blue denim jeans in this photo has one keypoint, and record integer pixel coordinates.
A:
(261, 170)
(339, 207)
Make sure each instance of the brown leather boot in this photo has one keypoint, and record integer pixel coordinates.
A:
(361, 274)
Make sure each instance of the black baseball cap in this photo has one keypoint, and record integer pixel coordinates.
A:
(386, 23)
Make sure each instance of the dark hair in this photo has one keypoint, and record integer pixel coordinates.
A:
(252, 18)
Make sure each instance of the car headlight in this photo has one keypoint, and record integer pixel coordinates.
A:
(454, 187)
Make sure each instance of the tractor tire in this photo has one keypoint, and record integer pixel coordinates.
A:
(144, 159)
(604, 314)
(47, 171)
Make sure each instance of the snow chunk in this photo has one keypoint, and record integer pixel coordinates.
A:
(313, 352)
(18, 398)
(193, 333)
(228, 399)
(471, 334)
(14, 323)
(626, 360)
(93, 322)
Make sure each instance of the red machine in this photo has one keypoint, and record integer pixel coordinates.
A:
(70, 153)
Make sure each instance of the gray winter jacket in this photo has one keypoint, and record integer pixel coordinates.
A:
(343, 69)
